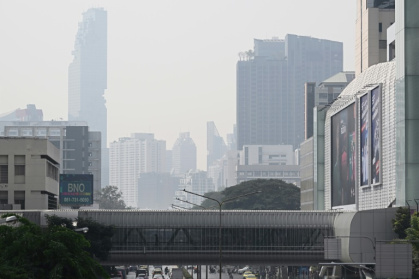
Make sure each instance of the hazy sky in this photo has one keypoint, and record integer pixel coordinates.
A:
(171, 63)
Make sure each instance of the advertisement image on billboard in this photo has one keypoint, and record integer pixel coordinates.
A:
(76, 189)
(364, 126)
(344, 157)
(375, 135)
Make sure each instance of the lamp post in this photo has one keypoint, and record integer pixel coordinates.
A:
(8, 219)
(84, 230)
(179, 207)
(220, 204)
(192, 203)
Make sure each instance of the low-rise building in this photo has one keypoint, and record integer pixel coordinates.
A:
(29, 173)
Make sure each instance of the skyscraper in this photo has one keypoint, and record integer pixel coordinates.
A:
(270, 87)
(216, 147)
(183, 154)
(131, 157)
(87, 77)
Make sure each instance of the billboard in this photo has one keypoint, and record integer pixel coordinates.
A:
(364, 146)
(375, 135)
(76, 189)
(344, 156)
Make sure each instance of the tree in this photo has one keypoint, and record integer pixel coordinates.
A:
(401, 221)
(28, 251)
(110, 198)
(99, 235)
(412, 234)
(276, 195)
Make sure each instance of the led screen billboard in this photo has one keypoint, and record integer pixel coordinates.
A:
(76, 189)
(344, 157)
(364, 126)
(375, 135)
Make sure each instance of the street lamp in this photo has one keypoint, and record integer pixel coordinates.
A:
(8, 219)
(84, 230)
(220, 204)
(192, 203)
(178, 207)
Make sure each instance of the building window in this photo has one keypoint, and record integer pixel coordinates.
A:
(20, 199)
(52, 171)
(380, 27)
(3, 197)
(19, 169)
(4, 174)
(4, 169)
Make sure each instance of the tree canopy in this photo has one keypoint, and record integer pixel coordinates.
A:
(401, 221)
(29, 251)
(275, 195)
(110, 198)
(99, 235)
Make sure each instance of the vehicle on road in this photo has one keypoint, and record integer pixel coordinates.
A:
(158, 276)
(142, 272)
(157, 270)
(242, 270)
(249, 276)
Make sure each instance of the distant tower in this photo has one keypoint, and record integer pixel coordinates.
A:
(270, 87)
(87, 78)
(183, 154)
(216, 146)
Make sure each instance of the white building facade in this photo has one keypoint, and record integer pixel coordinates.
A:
(131, 156)
(29, 173)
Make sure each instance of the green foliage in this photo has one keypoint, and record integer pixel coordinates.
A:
(99, 235)
(401, 222)
(412, 234)
(110, 198)
(275, 195)
(28, 251)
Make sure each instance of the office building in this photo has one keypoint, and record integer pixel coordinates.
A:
(372, 20)
(29, 173)
(287, 173)
(270, 87)
(216, 146)
(183, 154)
(193, 181)
(132, 156)
(87, 79)
(325, 93)
(79, 148)
(273, 155)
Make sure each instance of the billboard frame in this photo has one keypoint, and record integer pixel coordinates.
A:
(78, 197)
(349, 206)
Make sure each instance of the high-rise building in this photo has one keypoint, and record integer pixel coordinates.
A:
(216, 147)
(373, 17)
(325, 93)
(270, 87)
(132, 156)
(183, 154)
(194, 181)
(87, 78)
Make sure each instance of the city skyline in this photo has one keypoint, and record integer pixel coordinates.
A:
(166, 61)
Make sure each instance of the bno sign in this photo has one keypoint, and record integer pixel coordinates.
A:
(76, 189)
